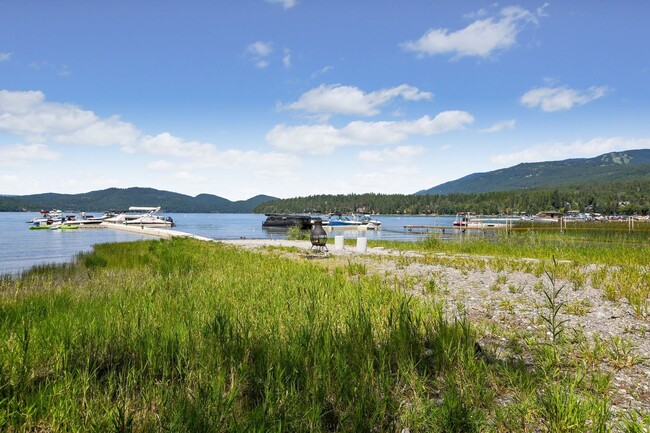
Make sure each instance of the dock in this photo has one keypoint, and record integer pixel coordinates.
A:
(149, 231)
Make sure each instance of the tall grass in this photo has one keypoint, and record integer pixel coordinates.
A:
(187, 336)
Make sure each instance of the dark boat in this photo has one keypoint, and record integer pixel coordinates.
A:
(284, 220)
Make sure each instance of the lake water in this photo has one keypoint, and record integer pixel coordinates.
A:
(21, 248)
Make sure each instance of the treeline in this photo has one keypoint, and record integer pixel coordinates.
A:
(625, 198)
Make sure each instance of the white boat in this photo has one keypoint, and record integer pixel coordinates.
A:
(135, 216)
(470, 220)
(51, 215)
(339, 220)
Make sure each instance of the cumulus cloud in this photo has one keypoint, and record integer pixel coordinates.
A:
(350, 100)
(400, 153)
(481, 38)
(259, 51)
(18, 154)
(29, 115)
(5, 57)
(323, 139)
(560, 98)
(500, 126)
(286, 4)
(578, 149)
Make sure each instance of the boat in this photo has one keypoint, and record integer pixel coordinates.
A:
(547, 217)
(135, 216)
(470, 220)
(464, 219)
(43, 224)
(47, 215)
(340, 220)
(290, 220)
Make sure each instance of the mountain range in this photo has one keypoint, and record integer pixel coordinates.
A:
(122, 199)
(609, 167)
(619, 170)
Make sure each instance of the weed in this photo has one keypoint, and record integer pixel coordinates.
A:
(578, 307)
(354, 268)
(551, 315)
(296, 233)
(621, 352)
(563, 410)
(635, 422)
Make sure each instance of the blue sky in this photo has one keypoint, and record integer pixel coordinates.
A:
(300, 97)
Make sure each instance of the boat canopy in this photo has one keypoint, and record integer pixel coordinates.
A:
(144, 209)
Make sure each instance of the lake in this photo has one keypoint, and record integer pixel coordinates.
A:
(21, 248)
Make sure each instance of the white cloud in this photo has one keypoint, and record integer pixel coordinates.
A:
(169, 145)
(5, 57)
(578, 149)
(206, 155)
(350, 100)
(189, 176)
(62, 70)
(400, 153)
(323, 139)
(160, 165)
(29, 115)
(259, 52)
(322, 71)
(500, 126)
(286, 60)
(481, 38)
(18, 154)
(286, 4)
(560, 98)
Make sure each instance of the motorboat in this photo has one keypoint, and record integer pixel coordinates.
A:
(340, 220)
(44, 224)
(470, 220)
(47, 215)
(141, 216)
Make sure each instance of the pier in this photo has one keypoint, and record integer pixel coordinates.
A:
(150, 231)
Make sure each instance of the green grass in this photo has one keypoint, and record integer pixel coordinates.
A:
(186, 336)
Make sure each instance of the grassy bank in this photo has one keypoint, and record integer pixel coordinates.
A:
(187, 336)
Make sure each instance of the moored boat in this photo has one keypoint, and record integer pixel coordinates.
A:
(351, 220)
(135, 216)
(289, 220)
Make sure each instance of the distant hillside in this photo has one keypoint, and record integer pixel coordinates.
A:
(614, 166)
(122, 199)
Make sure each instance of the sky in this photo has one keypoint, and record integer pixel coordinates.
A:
(301, 97)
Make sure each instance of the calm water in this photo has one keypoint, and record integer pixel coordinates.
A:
(21, 248)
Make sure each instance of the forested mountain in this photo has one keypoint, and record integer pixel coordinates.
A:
(620, 197)
(614, 166)
(122, 199)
